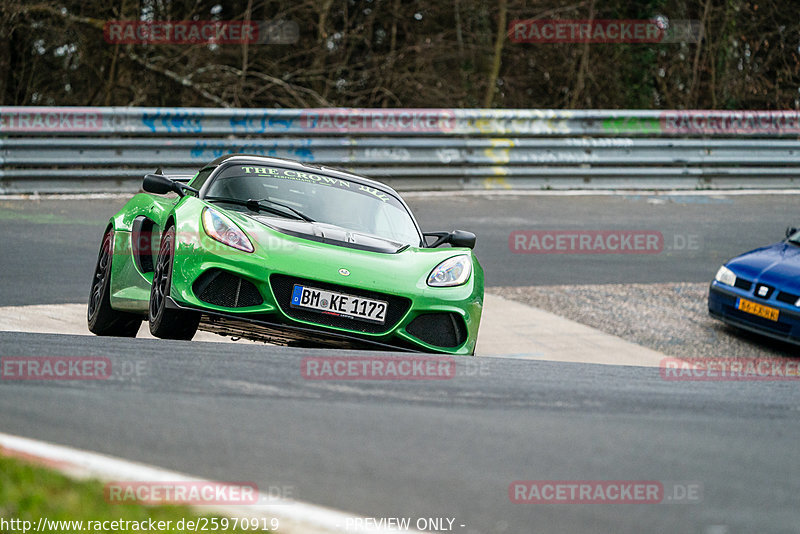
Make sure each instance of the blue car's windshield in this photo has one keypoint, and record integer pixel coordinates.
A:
(322, 198)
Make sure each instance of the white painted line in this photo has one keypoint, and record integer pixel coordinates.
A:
(468, 193)
(596, 192)
(296, 517)
(67, 196)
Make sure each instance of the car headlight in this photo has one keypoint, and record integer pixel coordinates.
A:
(224, 230)
(451, 272)
(725, 276)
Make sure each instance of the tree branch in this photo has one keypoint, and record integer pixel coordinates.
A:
(177, 78)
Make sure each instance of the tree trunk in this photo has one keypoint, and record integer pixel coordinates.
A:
(498, 53)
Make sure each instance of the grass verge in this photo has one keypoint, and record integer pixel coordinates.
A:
(29, 492)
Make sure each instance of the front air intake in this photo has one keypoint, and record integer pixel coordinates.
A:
(439, 329)
(225, 289)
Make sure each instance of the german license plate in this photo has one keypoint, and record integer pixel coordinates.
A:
(339, 304)
(760, 310)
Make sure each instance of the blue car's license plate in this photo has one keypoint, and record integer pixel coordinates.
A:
(340, 304)
(767, 312)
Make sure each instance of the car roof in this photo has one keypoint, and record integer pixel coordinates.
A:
(284, 162)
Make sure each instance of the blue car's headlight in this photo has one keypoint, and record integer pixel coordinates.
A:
(451, 272)
(725, 276)
(224, 230)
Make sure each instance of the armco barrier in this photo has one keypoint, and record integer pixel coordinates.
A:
(100, 149)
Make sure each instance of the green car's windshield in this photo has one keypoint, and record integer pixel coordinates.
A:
(319, 197)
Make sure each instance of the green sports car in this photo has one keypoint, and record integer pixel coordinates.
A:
(284, 252)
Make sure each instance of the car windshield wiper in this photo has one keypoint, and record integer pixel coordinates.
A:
(284, 206)
(256, 205)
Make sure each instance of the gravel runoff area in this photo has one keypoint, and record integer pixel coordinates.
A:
(670, 318)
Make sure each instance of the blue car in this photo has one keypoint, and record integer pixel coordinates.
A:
(759, 291)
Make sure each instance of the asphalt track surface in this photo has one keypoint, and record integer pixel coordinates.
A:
(446, 448)
(429, 449)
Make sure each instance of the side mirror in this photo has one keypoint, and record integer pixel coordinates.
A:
(790, 230)
(457, 238)
(158, 184)
(462, 238)
(161, 185)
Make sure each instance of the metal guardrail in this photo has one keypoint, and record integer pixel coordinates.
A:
(100, 149)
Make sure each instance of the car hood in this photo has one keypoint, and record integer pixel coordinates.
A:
(331, 234)
(777, 264)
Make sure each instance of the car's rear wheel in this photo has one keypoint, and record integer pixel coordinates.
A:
(166, 323)
(103, 319)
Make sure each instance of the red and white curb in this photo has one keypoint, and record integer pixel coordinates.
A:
(295, 517)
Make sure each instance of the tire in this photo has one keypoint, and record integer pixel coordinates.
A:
(102, 318)
(165, 323)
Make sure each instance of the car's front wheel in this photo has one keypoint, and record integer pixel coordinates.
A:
(166, 323)
(103, 319)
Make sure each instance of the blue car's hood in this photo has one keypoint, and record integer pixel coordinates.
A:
(776, 265)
